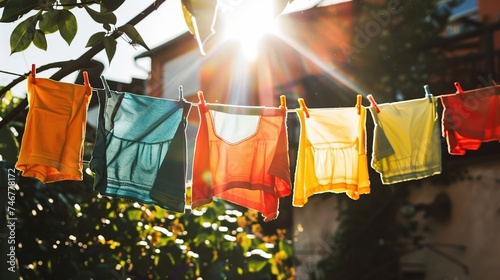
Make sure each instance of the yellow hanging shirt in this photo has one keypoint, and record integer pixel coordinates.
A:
(332, 154)
(406, 142)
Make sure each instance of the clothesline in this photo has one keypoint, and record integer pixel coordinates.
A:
(143, 156)
(426, 88)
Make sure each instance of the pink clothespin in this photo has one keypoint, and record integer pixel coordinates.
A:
(373, 103)
(459, 88)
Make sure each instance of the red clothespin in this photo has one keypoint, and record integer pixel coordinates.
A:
(283, 102)
(459, 88)
(303, 106)
(373, 103)
(202, 104)
(359, 100)
(33, 73)
(86, 82)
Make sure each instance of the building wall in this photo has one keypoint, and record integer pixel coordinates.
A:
(181, 46)
(474, 223)
(474, 191)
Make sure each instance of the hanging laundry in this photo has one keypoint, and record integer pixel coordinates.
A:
(241, 155)
(140, 149)
(471, 118)
(52, 146)
(332, 154)
(406, 142)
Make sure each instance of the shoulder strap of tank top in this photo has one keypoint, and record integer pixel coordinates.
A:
(106, 87)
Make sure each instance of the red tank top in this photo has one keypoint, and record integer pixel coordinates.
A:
(471, 118)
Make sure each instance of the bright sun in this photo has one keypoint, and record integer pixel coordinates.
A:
(248, 23)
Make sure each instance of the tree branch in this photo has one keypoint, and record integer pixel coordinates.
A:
(68, 67)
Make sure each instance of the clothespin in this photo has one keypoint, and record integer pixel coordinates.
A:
(359, 99)
(33, 73)
(181, 92)
(283, 102)
(203, 104)
(428, 93)
(303, 106)
(373, 103)
(459, 88)
(86, 82)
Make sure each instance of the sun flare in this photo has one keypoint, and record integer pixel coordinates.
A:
(248, 23)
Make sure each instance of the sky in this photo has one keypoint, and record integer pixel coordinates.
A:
(164, 24)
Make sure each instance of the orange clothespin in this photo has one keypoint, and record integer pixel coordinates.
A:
(33, 73)
(459, 88)
(283, 102)
(359, 99)
(86, 82)
(303, 106)
(373, 103)
(203, 104)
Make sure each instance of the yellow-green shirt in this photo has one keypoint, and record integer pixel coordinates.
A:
(406, 142)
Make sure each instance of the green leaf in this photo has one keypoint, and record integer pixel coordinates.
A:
(134, 35)
(67, 24)
(95, 39)
(106, 26)
(110, 5)
(9, 147)
(109, 46)
(109, 18)
(256, 263)
(39, 40)
(199, 16)
(14, 9)
(23, 34)
(48, 22)
(286, 248)
(6, 100)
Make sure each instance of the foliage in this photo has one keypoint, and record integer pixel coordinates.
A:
(88, 236)
(9, 146)
(52, 16)
(390, 44)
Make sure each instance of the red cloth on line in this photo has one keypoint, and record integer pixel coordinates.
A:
(471, 118)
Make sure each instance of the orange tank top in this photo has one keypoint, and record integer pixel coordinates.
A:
(241, 155)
